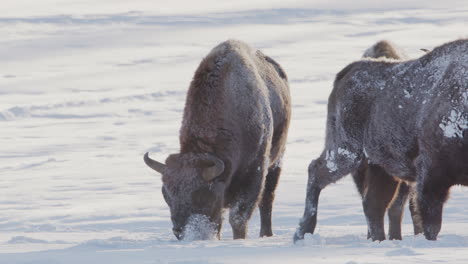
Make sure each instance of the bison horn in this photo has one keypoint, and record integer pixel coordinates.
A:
(155, 165)
(210, 173)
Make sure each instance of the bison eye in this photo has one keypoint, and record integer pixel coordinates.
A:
(203, 197)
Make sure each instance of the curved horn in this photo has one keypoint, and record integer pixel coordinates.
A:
(210, 173)
(155, 165)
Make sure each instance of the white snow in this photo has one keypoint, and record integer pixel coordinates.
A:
(453, 125)
(87, 87)
(199, 227)
(347, 153)
(407, 94)
(331, 162)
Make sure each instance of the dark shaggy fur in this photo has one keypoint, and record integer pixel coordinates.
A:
(235, 122)
(409, 118)
(380, 191)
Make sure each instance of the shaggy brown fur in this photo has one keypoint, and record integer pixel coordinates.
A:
(236, 118)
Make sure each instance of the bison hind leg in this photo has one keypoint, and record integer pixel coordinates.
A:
(331, 166)
(266, 204)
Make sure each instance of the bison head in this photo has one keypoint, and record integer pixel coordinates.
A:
(193, 193)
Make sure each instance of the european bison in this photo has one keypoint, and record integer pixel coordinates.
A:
(232, 140)
(410, 118)
(380, 191)
(385, 49)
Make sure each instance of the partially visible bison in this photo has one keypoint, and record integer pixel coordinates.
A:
(408, 117)
(385, 49)
(232, 140)
(380, 191)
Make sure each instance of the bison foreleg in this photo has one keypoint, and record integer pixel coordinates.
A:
(245, 202)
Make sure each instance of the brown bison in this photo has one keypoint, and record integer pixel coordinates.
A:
(381, 192)
(232, 141)
(408, 117)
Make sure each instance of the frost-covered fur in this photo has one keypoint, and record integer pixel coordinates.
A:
(385, 49)
(410, 118)
(237, 112)
(380, 191)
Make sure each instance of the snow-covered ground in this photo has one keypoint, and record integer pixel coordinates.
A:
(86, 87)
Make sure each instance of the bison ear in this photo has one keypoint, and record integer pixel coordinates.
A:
(155, 165)
(212, 168)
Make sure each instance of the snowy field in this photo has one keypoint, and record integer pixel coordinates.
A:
(87, 87)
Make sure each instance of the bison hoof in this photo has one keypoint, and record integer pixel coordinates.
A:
(299, 235)
(395, 237)
(266, 234)
(431, 231)
(430, 236)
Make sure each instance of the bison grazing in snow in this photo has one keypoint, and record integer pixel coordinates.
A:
(232, 141)
(408, 117)
(380, 191)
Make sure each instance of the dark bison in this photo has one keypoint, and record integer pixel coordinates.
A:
(232, 140)
(410, 118)
(381, 192)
